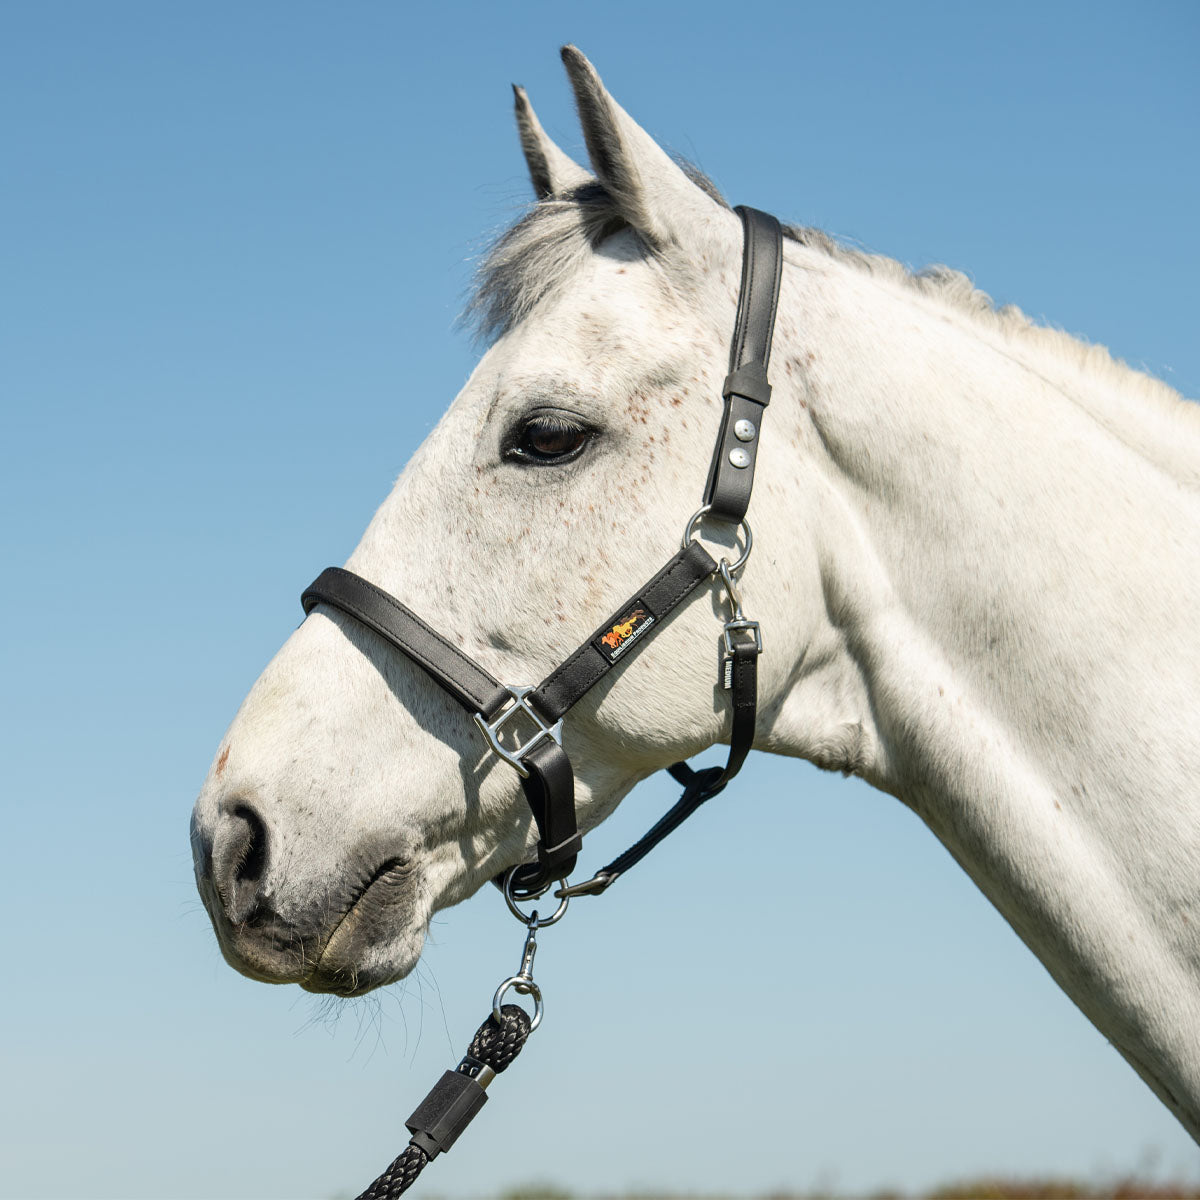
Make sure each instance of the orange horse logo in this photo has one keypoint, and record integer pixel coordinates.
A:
(619, 632)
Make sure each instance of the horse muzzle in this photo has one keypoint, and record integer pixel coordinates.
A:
(347, 933)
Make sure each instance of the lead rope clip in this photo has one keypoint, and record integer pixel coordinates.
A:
(522, 982)
(442, 1116)
(738, 624)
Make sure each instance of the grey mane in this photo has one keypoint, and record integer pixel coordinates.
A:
(544, 249)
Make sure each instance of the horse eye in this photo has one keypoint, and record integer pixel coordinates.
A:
(549, 438)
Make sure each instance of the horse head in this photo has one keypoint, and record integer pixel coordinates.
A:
(350, 798)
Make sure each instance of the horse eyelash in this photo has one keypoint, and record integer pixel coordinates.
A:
(548, 421)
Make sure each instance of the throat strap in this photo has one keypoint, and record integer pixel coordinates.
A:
(698, 786)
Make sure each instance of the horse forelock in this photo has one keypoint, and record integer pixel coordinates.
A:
(544, 249)
(538, 255)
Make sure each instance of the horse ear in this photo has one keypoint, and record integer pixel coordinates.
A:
(551, 171)
(653, 193)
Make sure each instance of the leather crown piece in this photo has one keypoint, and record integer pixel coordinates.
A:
(545, 770)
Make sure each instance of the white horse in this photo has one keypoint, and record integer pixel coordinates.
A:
(977, 566)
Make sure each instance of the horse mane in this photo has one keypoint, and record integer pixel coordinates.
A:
(541, 252)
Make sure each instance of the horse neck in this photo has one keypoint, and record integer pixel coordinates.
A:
(1004, 634)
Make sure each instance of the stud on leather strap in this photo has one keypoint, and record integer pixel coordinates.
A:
(747, 391)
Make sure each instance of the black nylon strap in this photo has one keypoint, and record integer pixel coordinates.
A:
(699, 786)
(463, 678)
(746, 389)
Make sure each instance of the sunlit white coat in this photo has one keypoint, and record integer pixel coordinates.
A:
(977, 565)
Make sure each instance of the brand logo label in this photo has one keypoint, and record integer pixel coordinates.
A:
(624, 633)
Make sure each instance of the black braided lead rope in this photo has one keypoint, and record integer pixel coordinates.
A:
(456, 1098)
(399, 1176)
(497, 1045)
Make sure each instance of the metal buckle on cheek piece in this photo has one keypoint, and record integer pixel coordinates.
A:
(738, 623)
(491, 729)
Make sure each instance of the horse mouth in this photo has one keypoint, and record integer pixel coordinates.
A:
(363, 950)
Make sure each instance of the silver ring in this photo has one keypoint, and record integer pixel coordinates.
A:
(528, 918)
(524, 987)
(743, 526)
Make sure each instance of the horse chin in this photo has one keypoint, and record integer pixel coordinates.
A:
(375, 942)
(370, 935)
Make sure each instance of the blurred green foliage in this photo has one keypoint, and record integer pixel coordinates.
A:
(976, 1189)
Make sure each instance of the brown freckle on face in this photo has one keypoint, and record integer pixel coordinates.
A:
(222, 760)
(810, 358)
(676, 401)
(1058, 806)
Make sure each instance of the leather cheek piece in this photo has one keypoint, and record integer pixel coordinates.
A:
(658, 597)
(746, 389)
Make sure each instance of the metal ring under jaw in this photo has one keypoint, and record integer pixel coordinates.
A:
(689, 534)
(523, 988)
(532, 918)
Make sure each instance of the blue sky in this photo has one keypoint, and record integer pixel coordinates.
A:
(235, 239)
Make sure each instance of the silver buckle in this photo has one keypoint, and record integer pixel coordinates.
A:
(491, 729)
(749, 626)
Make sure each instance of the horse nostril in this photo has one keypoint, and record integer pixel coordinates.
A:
(239, 859)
